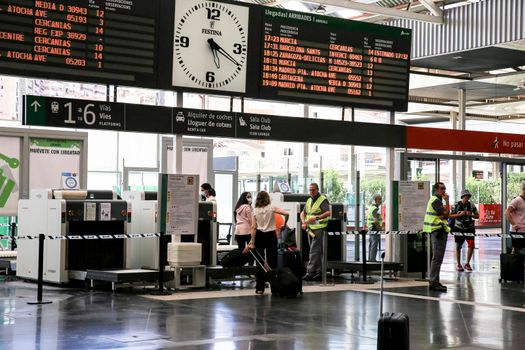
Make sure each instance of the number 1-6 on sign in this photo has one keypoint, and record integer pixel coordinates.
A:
(69, 113)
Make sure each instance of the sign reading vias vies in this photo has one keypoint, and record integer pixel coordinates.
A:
(70, 113)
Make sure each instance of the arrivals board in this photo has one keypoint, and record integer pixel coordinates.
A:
(104, 41)
(328, 60)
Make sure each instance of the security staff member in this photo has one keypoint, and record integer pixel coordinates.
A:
(374, 223)
(436, 224)
(314, 219)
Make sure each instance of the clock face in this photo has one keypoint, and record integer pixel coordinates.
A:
(211, 45)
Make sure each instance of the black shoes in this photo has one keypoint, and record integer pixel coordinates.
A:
(316, 277)
(438, 287)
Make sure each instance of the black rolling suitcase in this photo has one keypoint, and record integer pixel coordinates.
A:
(511, 266)
(283, 282)
(392, 328)
(288, 255)
(291, 259)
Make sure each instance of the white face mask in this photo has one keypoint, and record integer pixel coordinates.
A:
(249, 200)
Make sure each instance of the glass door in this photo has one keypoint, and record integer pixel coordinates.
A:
(513, 179)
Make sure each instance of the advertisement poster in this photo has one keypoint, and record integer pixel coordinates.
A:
(9, 175)
(50, 159)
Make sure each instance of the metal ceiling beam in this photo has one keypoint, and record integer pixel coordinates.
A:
(367, 8)
(432, 7)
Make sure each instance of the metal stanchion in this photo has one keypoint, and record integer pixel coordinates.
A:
(41, 238)
(325, 257)
(162, 264)
(363, 247)
(423, 257)
(12, 233)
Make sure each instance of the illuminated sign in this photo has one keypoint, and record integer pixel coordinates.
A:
(311, 58)
(104, 41)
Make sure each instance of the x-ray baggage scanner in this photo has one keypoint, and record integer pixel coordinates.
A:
(206, 233)
(294, 203)
(143, 208)
(70, 213)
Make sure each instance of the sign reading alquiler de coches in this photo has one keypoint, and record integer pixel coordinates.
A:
(85, 114)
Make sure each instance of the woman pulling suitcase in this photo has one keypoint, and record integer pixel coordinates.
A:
(263, 238)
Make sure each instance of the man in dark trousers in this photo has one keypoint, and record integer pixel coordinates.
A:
(374, 223)
(515, 213)
(314, 219)
(436, 224)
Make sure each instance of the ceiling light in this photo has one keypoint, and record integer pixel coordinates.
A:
(348, 13)
(295, 6)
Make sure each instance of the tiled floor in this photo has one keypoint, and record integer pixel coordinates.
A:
(476, 313)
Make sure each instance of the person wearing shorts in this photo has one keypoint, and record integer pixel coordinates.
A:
(464, 213)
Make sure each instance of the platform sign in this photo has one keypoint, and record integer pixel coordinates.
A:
(104, 41)
(84, 114)
(72, 113)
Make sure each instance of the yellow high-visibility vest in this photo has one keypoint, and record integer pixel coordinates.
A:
(432, 222)
(312, 210)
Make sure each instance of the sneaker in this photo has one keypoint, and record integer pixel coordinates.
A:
(307, 277)
(468, 267)
(438, 287)
(460, 268)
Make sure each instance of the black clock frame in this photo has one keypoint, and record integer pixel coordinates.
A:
(166, 54)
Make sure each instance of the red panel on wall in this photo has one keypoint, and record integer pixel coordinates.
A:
(464, 140)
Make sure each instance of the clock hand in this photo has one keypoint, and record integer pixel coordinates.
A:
(216, 58)
(216, 47)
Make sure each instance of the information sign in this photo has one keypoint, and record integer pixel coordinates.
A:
(105, 41)
(312, 58)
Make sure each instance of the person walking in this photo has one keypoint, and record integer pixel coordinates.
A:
(463, 214)
(374, 223)
(314, 219)
(436, 224)
(242, 217)
(263, 238)
(515, 213)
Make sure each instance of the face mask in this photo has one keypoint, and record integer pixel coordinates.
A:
(249, 200)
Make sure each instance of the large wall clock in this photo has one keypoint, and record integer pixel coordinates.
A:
(211, 45)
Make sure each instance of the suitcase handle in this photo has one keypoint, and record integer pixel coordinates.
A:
(261, 263)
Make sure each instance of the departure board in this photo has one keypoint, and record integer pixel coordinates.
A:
(328, 60)
(103, 41)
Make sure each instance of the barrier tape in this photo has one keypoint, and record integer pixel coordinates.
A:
(153, 235)
(458, 234)
(91, 237)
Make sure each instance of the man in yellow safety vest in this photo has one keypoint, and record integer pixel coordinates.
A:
(314, 219)
(436, 224)
(375, 223)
